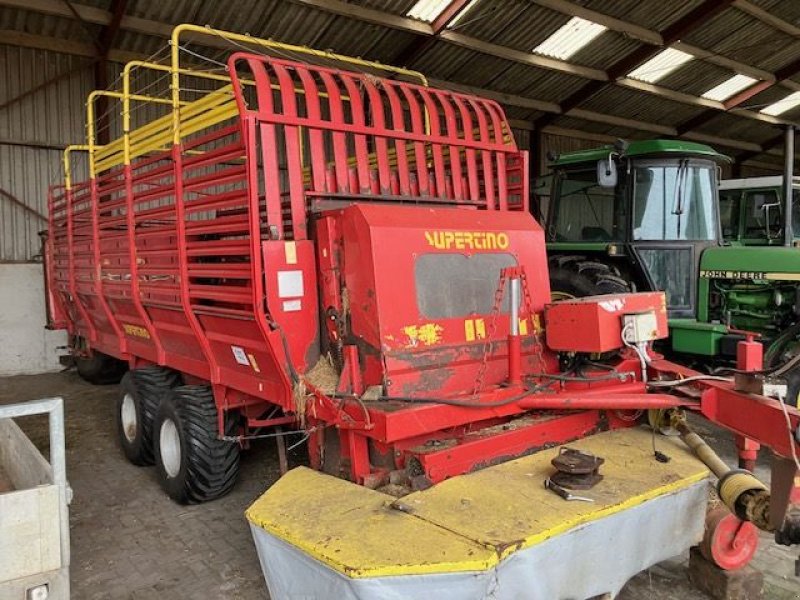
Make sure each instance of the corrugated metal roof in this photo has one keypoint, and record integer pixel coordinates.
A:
(652, 14)
(788, 11)
(639, 106)
(736, 128)
(695, 77)
(741, 37)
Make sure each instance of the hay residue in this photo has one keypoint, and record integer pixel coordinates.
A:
(373, 393)
(323, 375)
(299, 396)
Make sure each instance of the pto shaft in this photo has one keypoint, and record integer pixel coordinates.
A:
(739, 490)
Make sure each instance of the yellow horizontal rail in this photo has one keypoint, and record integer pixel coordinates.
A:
(189, 117)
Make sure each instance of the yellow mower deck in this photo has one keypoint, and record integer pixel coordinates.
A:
(468, 523)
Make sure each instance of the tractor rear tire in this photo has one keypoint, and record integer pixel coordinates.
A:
(140, 395)
(100, 369)
(578, 276)
(194, 465)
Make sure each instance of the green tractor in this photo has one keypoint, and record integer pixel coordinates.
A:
(633, 217)
(646, 216)
(751, 210)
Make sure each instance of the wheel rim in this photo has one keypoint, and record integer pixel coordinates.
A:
(170, 448)
(558, 296)
(128, 417)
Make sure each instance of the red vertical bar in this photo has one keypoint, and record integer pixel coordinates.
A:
(398, 124)
(98, 271)
(360, 141)
(269, 145)
(453, 150)
(436, 147)
(293, 160)
(339, 139)
(316, 150)
(417, 127)
(471, 156)
(184, 282)
(500, 157)
(381, 146)
(136, 298)
(73, 284)
(256, 250)
(486, 155)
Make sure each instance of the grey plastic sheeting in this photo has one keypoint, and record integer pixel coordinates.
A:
(589, 560)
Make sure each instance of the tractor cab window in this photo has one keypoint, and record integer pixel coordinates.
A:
(674, 200)
(763, 214)
(583, 211)
(796, 213)
(729, 213)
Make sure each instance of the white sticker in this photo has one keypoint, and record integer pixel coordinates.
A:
(240, 355)
(292, 305)
(290, 284)
(612, 306)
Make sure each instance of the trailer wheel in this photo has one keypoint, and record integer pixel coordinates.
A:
(194, 464)
(577, 277)
(141, 393)
(100, 369)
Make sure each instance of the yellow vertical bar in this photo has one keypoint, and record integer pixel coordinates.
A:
(126, 114)
(175, 82)
(90, 136)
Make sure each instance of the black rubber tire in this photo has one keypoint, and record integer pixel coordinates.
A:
(100, 369)
(207, 466)
(146, 387)
(578, 276)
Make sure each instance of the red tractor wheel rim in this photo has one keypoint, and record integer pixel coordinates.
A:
(729, 542)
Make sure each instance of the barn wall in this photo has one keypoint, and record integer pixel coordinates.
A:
(25, 345)
(33, 132)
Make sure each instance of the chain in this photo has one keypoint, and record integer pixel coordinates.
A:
(487, 345)
(529, 307)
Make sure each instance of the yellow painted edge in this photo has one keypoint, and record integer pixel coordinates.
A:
(631, 502)
(473, 565)
(387, 571)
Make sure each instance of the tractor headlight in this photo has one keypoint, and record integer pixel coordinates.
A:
(777, 298)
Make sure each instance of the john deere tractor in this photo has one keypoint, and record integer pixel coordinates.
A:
(645, 216)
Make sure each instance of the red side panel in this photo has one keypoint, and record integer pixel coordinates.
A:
(421, 286)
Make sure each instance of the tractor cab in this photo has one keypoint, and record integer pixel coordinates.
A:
(632, 216)
(751, 210)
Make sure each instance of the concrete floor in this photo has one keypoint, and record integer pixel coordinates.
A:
(129, 541)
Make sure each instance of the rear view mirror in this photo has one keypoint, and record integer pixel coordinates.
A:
(607, 172)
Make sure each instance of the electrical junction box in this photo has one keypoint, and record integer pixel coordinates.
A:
(640, 327)
(595, 323)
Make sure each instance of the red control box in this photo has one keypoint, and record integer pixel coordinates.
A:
(594, 324)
